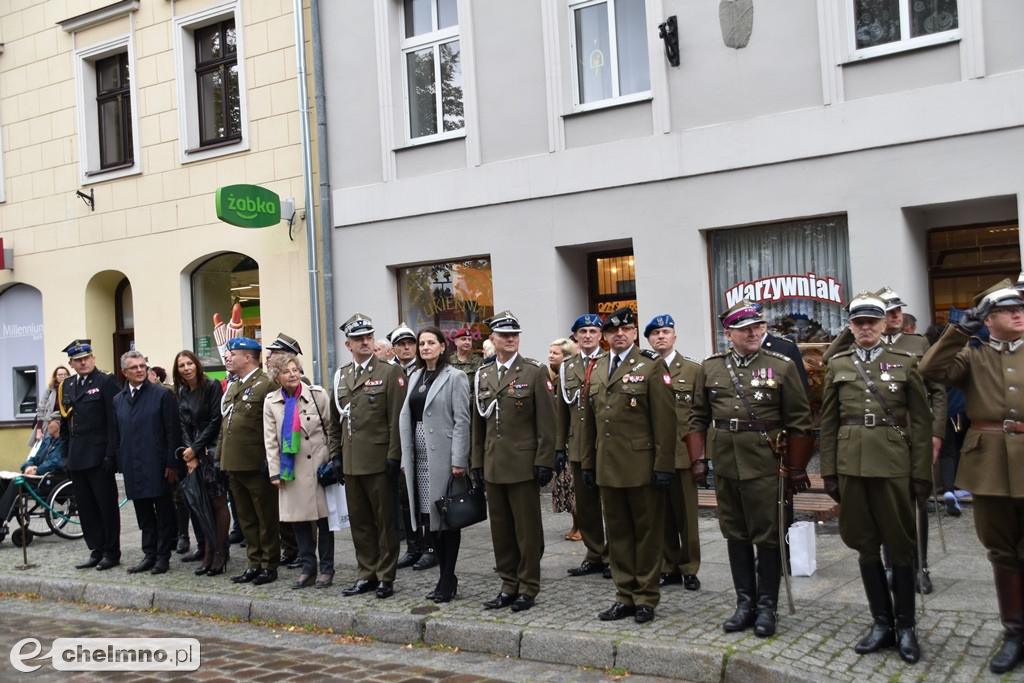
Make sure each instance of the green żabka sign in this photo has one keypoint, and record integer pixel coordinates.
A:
(248, 206)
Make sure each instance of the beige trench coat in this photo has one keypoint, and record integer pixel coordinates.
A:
(301, 500)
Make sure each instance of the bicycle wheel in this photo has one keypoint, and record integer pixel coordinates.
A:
(34, 516)
(62, 516)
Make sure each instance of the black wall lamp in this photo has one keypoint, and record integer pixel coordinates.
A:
(669, 32)
(89, 199)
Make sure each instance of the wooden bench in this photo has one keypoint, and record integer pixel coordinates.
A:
(815, 501)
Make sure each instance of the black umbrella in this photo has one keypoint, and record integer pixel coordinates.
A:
(194, 489)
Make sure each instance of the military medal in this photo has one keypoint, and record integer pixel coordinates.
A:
(756, 381)
(885, 376)
(519, 404)
(758, 396)
(894, 387)
(632, 402)
(770, 382)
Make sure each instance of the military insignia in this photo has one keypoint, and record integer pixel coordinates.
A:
(245, 397)
(92, 391)
(401, 381)
(758, 395)
(633, 379)
(668, 380)
(885, 377)
(550, 387)
(376, 382)
(519, 404)
(520, 386)
(632, 402)
(894, 387)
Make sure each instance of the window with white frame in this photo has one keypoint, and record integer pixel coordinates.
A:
(885, 26)
(432, 64)
(211, 80)
(609, 44)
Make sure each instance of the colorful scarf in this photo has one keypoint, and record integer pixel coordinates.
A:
(291, 433)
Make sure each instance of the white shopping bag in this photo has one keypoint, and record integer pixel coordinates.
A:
(337, 507)
(802, 560)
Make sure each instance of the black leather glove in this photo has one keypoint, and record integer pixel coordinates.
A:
(339, 474)
(589, 479)
(393, 468)
(661, 480)
(478, 475)
(699, 471)
(798, 481)
(542, 475)
(561, 460)
(110, 465)
(972, 320)
(832, 487)
(920, 488)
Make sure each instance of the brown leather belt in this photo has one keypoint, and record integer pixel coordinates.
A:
(747, 425)
(1006, 426)
(872, 420)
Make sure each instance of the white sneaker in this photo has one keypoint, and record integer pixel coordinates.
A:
(952, 505)
(960, 493)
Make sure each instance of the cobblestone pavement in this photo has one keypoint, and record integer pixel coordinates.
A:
(958, 629)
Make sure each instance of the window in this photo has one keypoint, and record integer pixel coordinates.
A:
(217, 285)
(114, 107)
(450, 295)
(433, 69)
(612, 278)
(211, 80)
(886, 26)
(610, 51)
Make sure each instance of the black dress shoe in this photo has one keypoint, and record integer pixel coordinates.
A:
(246, 576)
(235, 536)
(691, 582)
(160, 568)
(410, 558)
(359, 587)
(586, 567)
(304, 581)
(607, 571)
(107, 563)
(215, 572)
(426, 561)
(265, 576)
(670, 578)
(287, 559)
(385, 589)
(195, 555)
(522, 603)
(325, 581)
(616, 612)
(201, 570)
(182, 546)
(88, 564)
(501, 600)
(643, 614)
(143, 566)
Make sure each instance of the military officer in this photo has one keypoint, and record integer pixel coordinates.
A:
(989, 374)
(368, 396)
(875, 456)
(464, 359)
(243, 456)
(750, 396)
(630, 434)
(514, 453)
(403, 342)
(682, 537)
(574, 386)
(86, 401)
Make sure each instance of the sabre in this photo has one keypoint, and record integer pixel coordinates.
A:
(917, 540)
(779, 447)
(938, 517)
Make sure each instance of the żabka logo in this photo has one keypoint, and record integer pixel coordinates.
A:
(109, 654)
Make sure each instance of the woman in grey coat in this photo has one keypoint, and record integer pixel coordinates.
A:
(434, 429)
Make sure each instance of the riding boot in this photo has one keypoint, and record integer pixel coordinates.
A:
(741, 562)
(769, 575)
(887, 563)
(1010, 594)
(879, 600)
(903, 590)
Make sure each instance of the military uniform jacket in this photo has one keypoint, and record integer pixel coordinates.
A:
(686, 375)
(519, 432)
(992, 379)
(631, 421)
(861, 451)
(790, 350)
(572, 403)
(365, 416)
(87, 431)
(240, 446)
(746, 454)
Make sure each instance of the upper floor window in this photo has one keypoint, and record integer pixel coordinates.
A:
(114, 108)
(433, 68)
(220, 110)
(610, 51)
(885, 26)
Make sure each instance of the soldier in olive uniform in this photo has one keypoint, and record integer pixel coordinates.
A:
(464, 359)
(682, 537)
(749, 397)
(514, 453)
(630, 433)
(574, 386)
(368, 396)
(243, 455)
(989, 373)
(875, 456)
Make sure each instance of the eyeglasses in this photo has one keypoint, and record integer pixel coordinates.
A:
(135, 368)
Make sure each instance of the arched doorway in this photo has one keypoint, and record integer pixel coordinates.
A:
(124, 324)
(218, 284)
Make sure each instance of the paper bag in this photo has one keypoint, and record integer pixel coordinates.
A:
(801, 540)
(337, 507)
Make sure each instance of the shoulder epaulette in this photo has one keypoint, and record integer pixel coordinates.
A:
(776, 355)
(692, 360)
(649, 353)
(901, 352)
(531, 361)
(723, 354)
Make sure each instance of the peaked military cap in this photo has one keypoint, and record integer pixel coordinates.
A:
(658, 322)
(504, 322)
(243, 344)
(285, 343)
(742, 314)
(867, 305)
(80, 348)
(587, 320)
(401, 332)
(890, 298)
(357, 326)
(620, 318)
(1000, 294)
(1020, 282)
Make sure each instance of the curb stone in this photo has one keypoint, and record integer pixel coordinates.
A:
(682, 660)
(118, 596)
(390, 628)
(575, 649)
(224, 606)
(743, 667)
(338, 620)
(473, 637)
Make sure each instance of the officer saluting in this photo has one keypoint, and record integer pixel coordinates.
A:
(749, 398)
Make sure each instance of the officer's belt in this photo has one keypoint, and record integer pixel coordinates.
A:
(1006, 426)
(871, 420)
(747, 425)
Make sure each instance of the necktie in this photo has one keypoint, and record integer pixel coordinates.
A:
(359, 371)
(613, 366)
(501, 373)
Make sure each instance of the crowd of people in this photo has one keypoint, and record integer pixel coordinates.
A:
(626, 435)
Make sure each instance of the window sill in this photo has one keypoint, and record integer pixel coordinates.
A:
(602, 105)
(902, 46)
(432, 140)
(216, 149)
(99, 176)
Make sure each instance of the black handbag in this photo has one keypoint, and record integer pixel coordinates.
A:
(325, 474)
(459, 510)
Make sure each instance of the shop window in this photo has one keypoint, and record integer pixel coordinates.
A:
(433, 69)
(450, 295)
(885, 26)
(609, 45)
(217, 286)
(612, 277)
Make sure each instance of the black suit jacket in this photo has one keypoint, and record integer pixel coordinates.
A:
(87, 430)
(789, 349)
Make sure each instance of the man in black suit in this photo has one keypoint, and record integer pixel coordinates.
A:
(86, 401)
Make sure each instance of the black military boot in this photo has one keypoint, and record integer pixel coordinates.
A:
(412, 554)
(769, 575)
(741, 562)
(877, 589)
(923, 580)
(903, 591)
(1010, 594)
